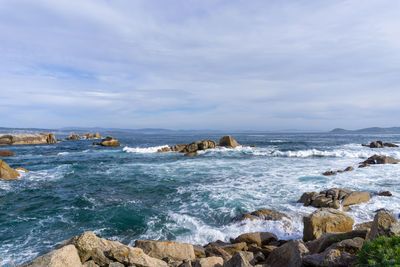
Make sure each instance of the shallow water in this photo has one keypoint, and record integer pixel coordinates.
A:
(130, 192)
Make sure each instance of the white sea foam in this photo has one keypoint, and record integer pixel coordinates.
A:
(144, 150)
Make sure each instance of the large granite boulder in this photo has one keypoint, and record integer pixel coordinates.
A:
(228, 141)
(326, 220)
(74, 137)
(110, 141)
(290, 254)
(380, 159)
(258, 238)
(27, 139)
(6, 153)
(134, 256)
(6, 172)
(64, 257)
(332, 198)
(384, 224)
(166, 249)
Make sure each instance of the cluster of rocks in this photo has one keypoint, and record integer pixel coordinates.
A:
(27, 139)
(328, 240)
(334, 198)
(380, 144)
(348, 169)
(192, 148)
(84, 136)
(108, 141)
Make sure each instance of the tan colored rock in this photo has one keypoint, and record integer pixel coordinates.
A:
(164, 249)
(134, 256)
(207, 144)
(7, 173)
(27, 139)
(6, 153)
(163, 149)
(228, 141)
(88, 242)
(384, 224)
(90, 264)
(178, 148)
(330, 257)
(97, 135)
(258, 238)
(190, 154)
(307, 198)
(240, 259)
(213, 250)
(356, 197)
(289, 254)
(269, 215)
(74, 137)
(63, 257)
(110, 141)
(209, 262)
(232, 248)
(87, 136)
(363, 226)
(21, 169)
(326, 220)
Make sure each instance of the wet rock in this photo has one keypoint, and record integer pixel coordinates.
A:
(363, 165)
(326, 220)
(63, 257)
(385, 194)
(163, 249)
(328, 239)
(290, 254)
(178, 148)
(240, 259)
(384, 224)
(380, 159)
(110, 141)
(74, 137)
(163, 149)
(307, 198)
(329, 173)
(6, 153)
(258, 238)
(380, 144)
(134, 256)
(209, 262)
(190, 154)
(7, 173)
(349, 169)
(244, 216)
(269, 215)
(228, 141)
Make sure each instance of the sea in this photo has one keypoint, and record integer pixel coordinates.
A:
(131, 192)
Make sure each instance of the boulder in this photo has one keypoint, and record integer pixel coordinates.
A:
(384, 224)
(380, 159)
(380, 144)
(349, 169)
(240, 259)
(232, 248)
(74, 137)
(163, 149)
(206, 144)
(97, 135)
(356, 197)
(89, 244)
(390, 145)
(27, 139)
(330, 257)
(213, 250)
(258, 238)
(110, 141)
(178, 148)
(6, 153)
(363, 226)
(7, 173)
(329, 239)
(91, 263)
(228, 141)
(87, 136)
(329, 173)
(269, 215)
(307, 198)
(385, 194)
(63, 257)
(290, 254)
(326, 220)
(209, 262)
(199, 251)
(134, 256)
(164, 249)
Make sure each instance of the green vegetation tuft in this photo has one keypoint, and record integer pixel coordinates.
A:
(383, 251)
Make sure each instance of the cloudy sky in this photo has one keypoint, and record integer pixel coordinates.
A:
(185, 64)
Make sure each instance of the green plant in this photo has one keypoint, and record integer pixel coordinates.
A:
(383, 251)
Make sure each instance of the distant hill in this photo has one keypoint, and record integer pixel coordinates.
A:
(371, 130)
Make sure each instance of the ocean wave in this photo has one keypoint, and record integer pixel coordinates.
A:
(144, 150)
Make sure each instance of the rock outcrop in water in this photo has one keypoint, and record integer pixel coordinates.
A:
(380, 144)
(73, 137)
(91, 136)
(228, 141)
(109, 141)
(380, 159)
(27, 139)
(6, 153)
(348, 169)
(334, 198)
(6, 172)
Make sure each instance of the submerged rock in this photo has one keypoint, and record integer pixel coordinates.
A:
(7, 173)
(6, 153)
(228, 141)
(326, 220)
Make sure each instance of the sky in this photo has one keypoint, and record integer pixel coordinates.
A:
(185, 64)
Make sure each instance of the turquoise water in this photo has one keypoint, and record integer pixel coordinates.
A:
(130, 192)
